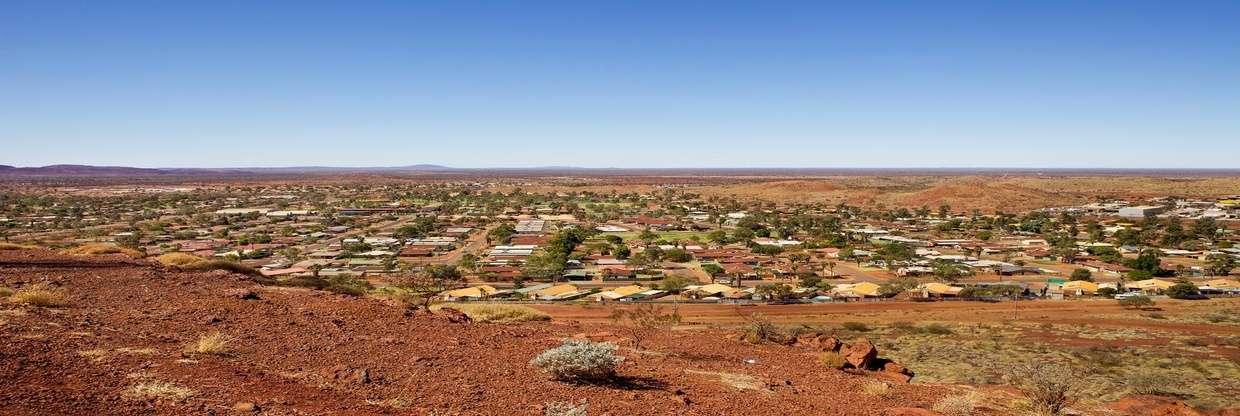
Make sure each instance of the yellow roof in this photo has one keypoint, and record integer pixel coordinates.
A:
(863, 288)
(1223, 283)
(471, 292)
(1152, 284)
(557, 290)
(715, 288)
(1082, 285)
(628, 290)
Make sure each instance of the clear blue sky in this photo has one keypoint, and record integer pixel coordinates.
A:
(625, 84)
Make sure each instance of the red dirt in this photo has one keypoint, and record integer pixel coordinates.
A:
(297, 351)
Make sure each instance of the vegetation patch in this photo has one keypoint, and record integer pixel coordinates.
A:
(41, 295)
(579, 361)
(15, 246)
(497, 313)
(157, 390)
(98, 249)
(231, 266)
(178, 259)
(214, 343)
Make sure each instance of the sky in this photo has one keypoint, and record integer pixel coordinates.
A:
(634, 84)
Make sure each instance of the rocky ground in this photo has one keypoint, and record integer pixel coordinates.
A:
(294, 351)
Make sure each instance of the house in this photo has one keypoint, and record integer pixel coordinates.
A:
(617, 293)
(713, 290)
(935, 289)
(1079, 288)
(1153, 286)
(1220, 286)
(559, 292)
(1141, 211)
(857, 290)
(472, 293)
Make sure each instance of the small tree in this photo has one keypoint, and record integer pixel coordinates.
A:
(645, 320)
(1050, 387)
(1082, 274)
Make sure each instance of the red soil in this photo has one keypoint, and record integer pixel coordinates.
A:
(296, 351)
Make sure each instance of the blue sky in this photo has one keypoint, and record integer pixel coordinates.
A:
(621, 84)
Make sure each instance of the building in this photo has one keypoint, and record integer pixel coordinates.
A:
(1141, 211)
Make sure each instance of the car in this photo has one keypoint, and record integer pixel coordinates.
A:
(1128, 295)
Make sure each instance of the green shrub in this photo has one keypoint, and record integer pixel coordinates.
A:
(1182, 290)
(230, 266)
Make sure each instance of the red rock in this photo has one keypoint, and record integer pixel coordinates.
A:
(455, 316)
(908, 411)
(1153, 406)
(860, 354)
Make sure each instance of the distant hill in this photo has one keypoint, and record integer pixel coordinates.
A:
(88, 170)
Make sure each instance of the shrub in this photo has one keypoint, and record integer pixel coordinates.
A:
(1107, 292)
(305, 281)
(96, 249)
(856, 326)
(876, 388)
(1049, 387)
(645, 320)
(935, 329)
(1140, 301)
(761, 330)
(566, 409)
(41, 295)
(579, 360)
(1153, 382)
(957, 405)
(831, 359)
(157, 390)
(231, 266)
(177, 259)
(1082, 274)
(504, 314)
(5, 292)
(213, 343)
(1182, 290)
(14, 246)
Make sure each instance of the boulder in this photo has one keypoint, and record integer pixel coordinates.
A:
(243, 294)
(350, 375)
(1152, 406)
(819, 342)
(860, 354)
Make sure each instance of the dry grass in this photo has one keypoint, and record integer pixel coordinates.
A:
(214, 343)
(178, 259)
(876, 388)
(489, 312)
(96, 249)
(41, 295)
(14, 246)
(5, 292)
(958, 405)
(831, 359)
(157, 390)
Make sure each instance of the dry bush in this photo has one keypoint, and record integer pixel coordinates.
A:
(856, 326)
(231, 266)
(1153, 381)
(645, 320)
(831, 359)
(14, 246)
(958, 405)
(876, 388)
(566, 409)
(5, 292)
(1049, 387)
(214, 343)
(762, 330)
(178, 259)
(157, 390)
(496, 313)
(40, 294)
(580, 360)
(96, 249)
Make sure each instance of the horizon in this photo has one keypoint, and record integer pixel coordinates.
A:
(508, 85)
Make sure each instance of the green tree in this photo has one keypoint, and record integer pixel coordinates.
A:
(1082, 274)
(1220, 264)
(1182, 290)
